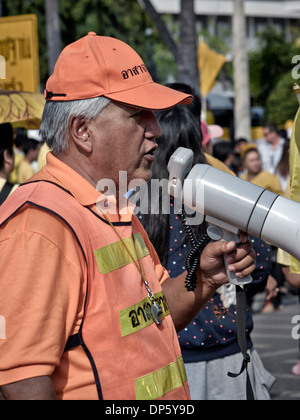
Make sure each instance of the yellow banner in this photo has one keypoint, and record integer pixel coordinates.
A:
(295, 175)
(209, 64)
(19, 53)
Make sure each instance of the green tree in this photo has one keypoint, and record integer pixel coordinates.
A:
(187, 46)
(269, 63)
(282, 103)
(124, 19)
(135, 22)
(22, 7)
(53, 32)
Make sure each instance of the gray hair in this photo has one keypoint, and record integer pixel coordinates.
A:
(56, 117)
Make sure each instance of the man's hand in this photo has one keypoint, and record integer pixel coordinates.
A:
(184, 305)
(39, 388)
(241, 260)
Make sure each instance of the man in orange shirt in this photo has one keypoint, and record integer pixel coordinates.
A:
(86, 309)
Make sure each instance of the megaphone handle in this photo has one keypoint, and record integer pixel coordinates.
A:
(218, 234)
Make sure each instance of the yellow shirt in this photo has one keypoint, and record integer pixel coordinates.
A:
(41, 160)
(216, 163)
(25, 171)
(266, 180)
(19, 157)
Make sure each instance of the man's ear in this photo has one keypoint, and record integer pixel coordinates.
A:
(80, 133)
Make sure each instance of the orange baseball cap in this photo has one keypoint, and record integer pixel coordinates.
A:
(102, 66)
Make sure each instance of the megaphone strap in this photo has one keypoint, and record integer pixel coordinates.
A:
(241, 331)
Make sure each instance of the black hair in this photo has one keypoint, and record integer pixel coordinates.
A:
(180, 128)
(6, 141)
(195, 106)
(240, 140)
(20, 137)
(29, 144)
(222, 150)
(283, 167)
(271, 126)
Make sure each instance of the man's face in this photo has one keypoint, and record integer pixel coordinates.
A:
(270, 136)
(124, 140)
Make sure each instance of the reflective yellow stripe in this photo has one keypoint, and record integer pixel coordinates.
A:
(139, 316)
(157, 384)
(114, 256)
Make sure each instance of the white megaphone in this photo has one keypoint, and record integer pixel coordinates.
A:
(232, 204)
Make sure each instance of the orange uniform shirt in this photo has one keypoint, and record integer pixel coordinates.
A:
(42, 292)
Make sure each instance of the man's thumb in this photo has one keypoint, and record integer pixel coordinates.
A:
(222, 247)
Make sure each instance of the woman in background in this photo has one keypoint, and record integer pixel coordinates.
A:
(209, 344)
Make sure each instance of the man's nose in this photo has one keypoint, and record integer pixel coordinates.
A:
(153, 128)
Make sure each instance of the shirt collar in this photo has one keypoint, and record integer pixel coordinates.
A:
(84, 192)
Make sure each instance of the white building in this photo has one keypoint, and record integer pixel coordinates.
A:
(215, 16)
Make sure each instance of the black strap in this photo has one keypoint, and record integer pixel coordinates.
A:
(5, 191)
(73, 341)
(241, 330)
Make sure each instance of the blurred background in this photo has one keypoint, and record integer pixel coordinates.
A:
(191, 41)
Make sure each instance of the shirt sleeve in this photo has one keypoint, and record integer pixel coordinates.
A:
(40, 295)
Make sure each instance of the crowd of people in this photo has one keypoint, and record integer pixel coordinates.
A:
(264, 162)
(105, 312)
(214, 348)
(24, 147)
